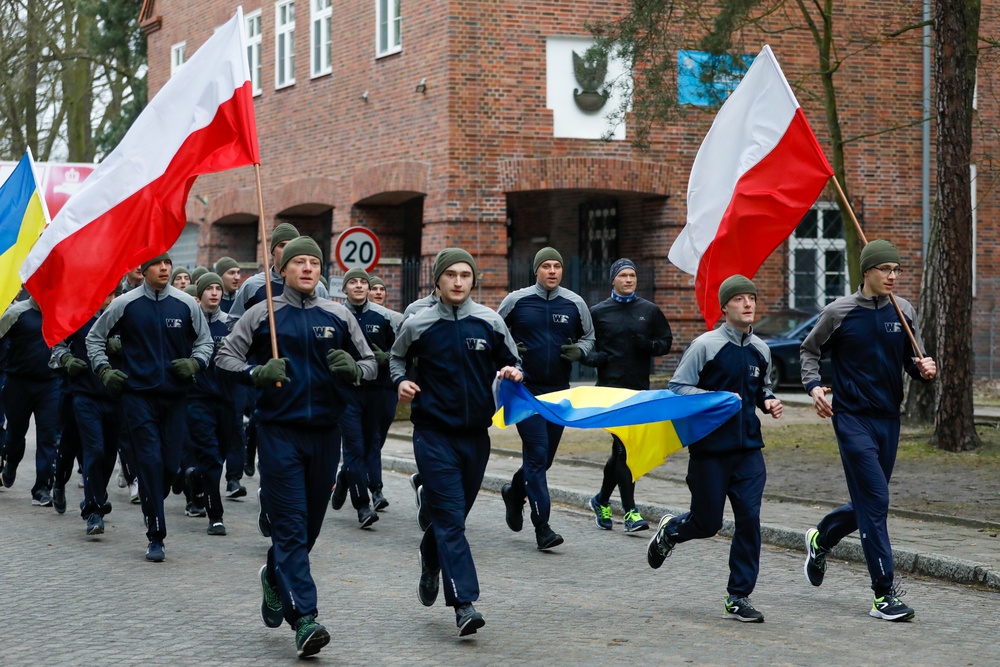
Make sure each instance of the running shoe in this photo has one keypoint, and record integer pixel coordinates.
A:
(272, 612)
(660, 546)
(815, 565)
(741, 609)
(602, 514)
(468, 619)
(890, 608)
(310, 636)
(634, 522)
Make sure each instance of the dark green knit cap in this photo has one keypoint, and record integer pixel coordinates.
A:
(375, 280)
(165, 257)
(546, 254)
(450, 256)
(734, 285)
(300, 245)
(878, 252)
(198, 272)
(191, 289)
(354, 273)
(283, 232)
(224, 264)
(206, 280)
(179, 271)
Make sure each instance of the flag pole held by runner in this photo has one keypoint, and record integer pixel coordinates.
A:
(267, 279)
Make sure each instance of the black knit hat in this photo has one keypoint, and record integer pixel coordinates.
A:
(450, 256)
(206, 280)
(734, 285)
(620, 265)
(283, 232)
(165, 257)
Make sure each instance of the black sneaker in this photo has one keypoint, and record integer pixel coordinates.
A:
(41, 498)
(468, 619)
(192, 509)
(741, 609)
(155, 552)
(216, 528)
(272, 612)
(310, 636)
(547, 538)
(177, 486)
(423, 510)
(427, 588)
(248, 468)
(235, 490)
(95, 524)
(890, 608)
(263, 520)
(378, 500)
(659, 546)
(367, 516)
(415, 485)
(7, 475)
(59, 498)
(515, 510)
(815, 565)
(339, 491)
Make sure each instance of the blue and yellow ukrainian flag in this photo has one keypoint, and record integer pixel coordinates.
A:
(23, 216)
(651, 424)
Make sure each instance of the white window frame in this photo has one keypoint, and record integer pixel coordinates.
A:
(320, 39)
(177, 56)
(388, 13)
(284, 44)
(820, 245)
(254, 40)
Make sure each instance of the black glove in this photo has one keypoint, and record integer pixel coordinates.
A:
(114, 347)
(381, 358)
(185, 368)
(73, 365)
(270, 373)
(521, 349)
(570, 351)
(642, 343)
(113, 379)
(340, 362)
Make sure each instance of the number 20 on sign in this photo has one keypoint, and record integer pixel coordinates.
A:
(357, 248)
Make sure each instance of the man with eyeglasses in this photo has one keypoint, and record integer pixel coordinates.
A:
(869, 349)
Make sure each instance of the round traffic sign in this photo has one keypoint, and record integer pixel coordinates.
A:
(357, 248)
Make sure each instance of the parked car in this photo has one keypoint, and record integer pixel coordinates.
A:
(783, 332)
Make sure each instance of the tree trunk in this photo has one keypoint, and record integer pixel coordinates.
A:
(920, 407)
(956, 30)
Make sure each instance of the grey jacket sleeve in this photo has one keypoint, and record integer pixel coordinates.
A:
(203, 343)
(397, 360)
(232, 356)
(588, 340)
(10, 316)
(688, 371)
(97, 339)
(811, 349)
(60, 350)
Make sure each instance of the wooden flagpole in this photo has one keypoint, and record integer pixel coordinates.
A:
(892, 297)
(267, 265)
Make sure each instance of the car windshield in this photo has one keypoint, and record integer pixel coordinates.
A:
(781, 323)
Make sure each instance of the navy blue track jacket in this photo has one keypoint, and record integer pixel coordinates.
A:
(86, 384)
(21, 332)
(379, 325)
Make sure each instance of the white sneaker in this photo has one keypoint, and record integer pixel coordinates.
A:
(133, 492)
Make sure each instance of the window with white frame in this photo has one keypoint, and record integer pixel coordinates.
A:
(177, 58)
(322, 15)
(817, 259)
(254, 36)
(388, 27)
(284, 43)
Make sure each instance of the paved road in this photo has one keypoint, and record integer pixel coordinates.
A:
(73, 600)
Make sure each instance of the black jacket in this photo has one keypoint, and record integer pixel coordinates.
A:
(622, 329)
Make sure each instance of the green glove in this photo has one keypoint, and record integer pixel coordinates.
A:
(570, 351)
(73, 365)
(381, 358)
(521, 349)
(272, 372)
(342, 363)
(113, 379)
(185, 368)
(114, 347)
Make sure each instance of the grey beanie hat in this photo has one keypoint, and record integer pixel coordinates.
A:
(544, 255)
(165, 257)
(226, 263)
(283, 232)
(354, 273)
(300, 245)
(206, 280)
(450, 256)
(878, 252)
(734, 285)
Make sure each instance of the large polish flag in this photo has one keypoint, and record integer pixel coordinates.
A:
(757, 173)
(131, 208)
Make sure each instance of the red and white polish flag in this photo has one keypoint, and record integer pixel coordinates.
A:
(757, 173)
(131, 208)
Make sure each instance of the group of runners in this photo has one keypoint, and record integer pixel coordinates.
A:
(163, 376)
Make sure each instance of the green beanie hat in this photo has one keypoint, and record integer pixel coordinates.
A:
(734, 285)
(300, 245)
(191, 289)
(544, 255)
(224, 264)
(878, 252)
(283, 232)
(179, 271)
(354, 273)
(326, 283)
(450, 256)
(165, 257)
(198, 272)
(206, 280)
(375, 280)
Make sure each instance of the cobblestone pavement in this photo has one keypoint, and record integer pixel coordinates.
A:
(73, 600)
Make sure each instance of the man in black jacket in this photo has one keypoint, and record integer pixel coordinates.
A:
(630, 332)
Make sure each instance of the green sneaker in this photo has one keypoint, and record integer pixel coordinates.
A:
(310, 636)
(272, 612)
(634, 522)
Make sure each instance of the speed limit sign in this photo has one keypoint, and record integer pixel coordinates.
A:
(357, 248)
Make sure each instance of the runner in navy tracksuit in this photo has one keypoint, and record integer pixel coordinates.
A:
(166, 342)
(552, 328)
(444, 361)
(97, 419)
(869, 351)
(630, 331)
(728, 461)
(324, 357)
(31, 388)
(363, 436)
(228, 269)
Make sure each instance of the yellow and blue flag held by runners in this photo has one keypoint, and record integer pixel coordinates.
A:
(651, 424)
(23, 216)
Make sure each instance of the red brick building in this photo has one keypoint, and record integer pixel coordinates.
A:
(449, 122)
